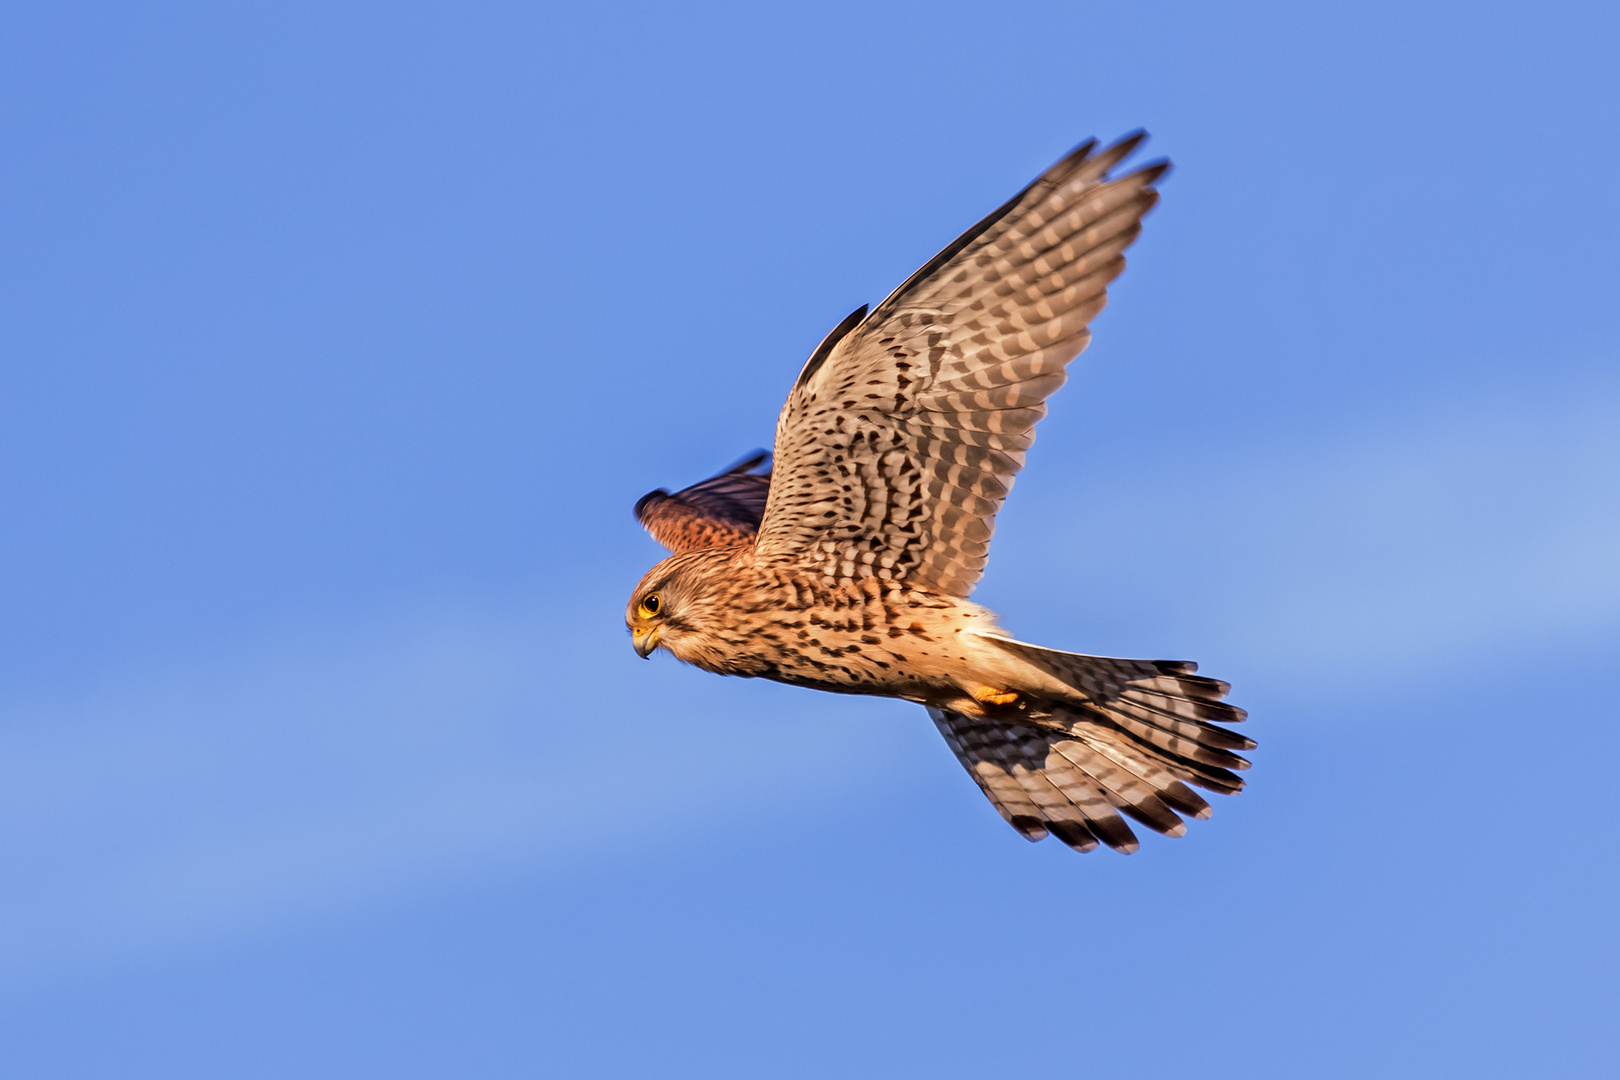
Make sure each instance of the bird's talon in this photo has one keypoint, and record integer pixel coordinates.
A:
(989, 695)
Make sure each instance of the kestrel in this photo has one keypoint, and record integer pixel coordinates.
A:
(848, 567)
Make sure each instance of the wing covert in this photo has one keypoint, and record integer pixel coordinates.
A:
(901, 438)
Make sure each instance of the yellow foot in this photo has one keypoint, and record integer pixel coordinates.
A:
(989, 695)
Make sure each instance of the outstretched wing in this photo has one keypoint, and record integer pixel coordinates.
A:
(722, 511)
(903, 433)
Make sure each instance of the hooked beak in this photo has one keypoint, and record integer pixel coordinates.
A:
(645, 641)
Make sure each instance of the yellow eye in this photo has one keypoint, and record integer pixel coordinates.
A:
(651, 605)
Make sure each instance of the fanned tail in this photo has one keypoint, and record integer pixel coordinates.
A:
(1127, 739)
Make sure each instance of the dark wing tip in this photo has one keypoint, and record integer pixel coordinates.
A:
(1128, 142)
(1153, 171)
(1070, 161)
(1111, 156)
(1122, 148)
(1066, 166)
(749, 463)
(651, 499)
(1083, 154)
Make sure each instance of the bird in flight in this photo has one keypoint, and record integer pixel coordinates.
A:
(847, 566)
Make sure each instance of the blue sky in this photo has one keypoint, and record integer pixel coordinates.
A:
(339, 340)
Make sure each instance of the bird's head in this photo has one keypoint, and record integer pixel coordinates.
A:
(675, 603)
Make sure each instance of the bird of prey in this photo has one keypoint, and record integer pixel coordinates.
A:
(847, 566)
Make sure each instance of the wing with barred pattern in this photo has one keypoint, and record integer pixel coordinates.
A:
(901, 437)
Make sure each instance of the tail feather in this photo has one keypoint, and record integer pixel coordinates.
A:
(1009, 763)
(1200, 731)
(1184, 696)
(1184, 800)
(1138, 784)
(1209, 777)
(1160, 703)
(1085, 804)
(1128, 740)
(993, 763)
(1127, 783)
(1194, 740)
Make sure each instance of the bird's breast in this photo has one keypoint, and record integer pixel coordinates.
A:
(864, 637)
